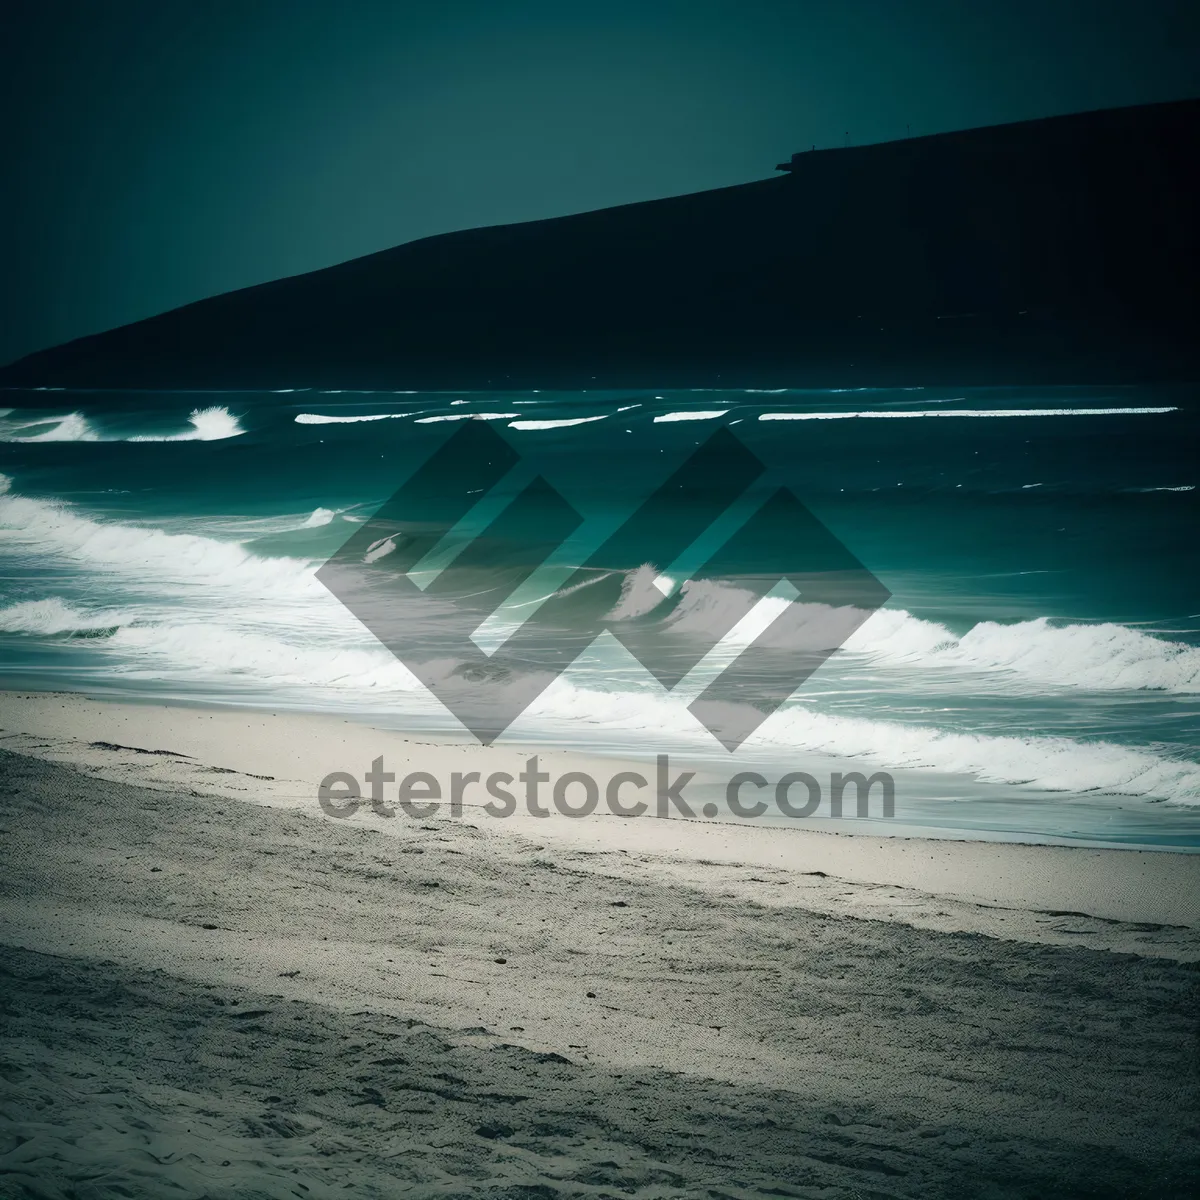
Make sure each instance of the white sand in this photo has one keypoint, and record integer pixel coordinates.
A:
(604, 1008)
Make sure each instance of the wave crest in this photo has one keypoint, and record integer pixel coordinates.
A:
(73, 427)
(1101, 657)
(212, 424)
(1045, 763)
(54, 615)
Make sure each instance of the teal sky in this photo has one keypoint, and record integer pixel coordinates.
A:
(157, 152)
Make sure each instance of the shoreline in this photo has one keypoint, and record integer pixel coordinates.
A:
(279, 759)
(709, 768)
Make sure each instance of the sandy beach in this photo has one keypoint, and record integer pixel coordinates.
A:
(212, 988)
(600, 601)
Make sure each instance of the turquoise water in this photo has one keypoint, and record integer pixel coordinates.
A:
(1035, 672)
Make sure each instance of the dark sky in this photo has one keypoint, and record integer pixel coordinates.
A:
(157, 152)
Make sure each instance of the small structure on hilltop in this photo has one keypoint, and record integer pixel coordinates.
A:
(793, 162)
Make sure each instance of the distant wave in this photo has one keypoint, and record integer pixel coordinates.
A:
(696, 414)
(483, 416)
(555, 424)
(962, 412)
(213, 424)
(205, 425)
(322, 419)
(74, 427)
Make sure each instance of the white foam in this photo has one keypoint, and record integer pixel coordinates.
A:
(555, 424)
(322, 419)
(1103, 656)
(998, 657)
(319, 517)
(73, 427)
(212, 424)
(1051, 764)
(153, 556)
(54, 615)
(235, 620)
(324, 666)
(1099, 657)
(214, 610)
(380, 549)
(486, 416)
(707, 605)
(963, 412)
(340, 670)
(698, 414)
(640, 594)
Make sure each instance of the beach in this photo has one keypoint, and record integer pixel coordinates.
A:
(545, 657)
(214, 988)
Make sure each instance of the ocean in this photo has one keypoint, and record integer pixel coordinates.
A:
(1035, 674)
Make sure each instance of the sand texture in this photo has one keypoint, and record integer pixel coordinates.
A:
(207, 997)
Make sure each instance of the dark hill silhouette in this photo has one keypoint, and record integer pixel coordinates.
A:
(1059, 250)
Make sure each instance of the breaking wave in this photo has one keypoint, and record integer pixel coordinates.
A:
(189, 607)
(1101, 657)
(55, 616)
(1094, 657)
(326, 671)
(148, 555)
(213, 424)
(1051, 764)
(73, 427)
(320, 667)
